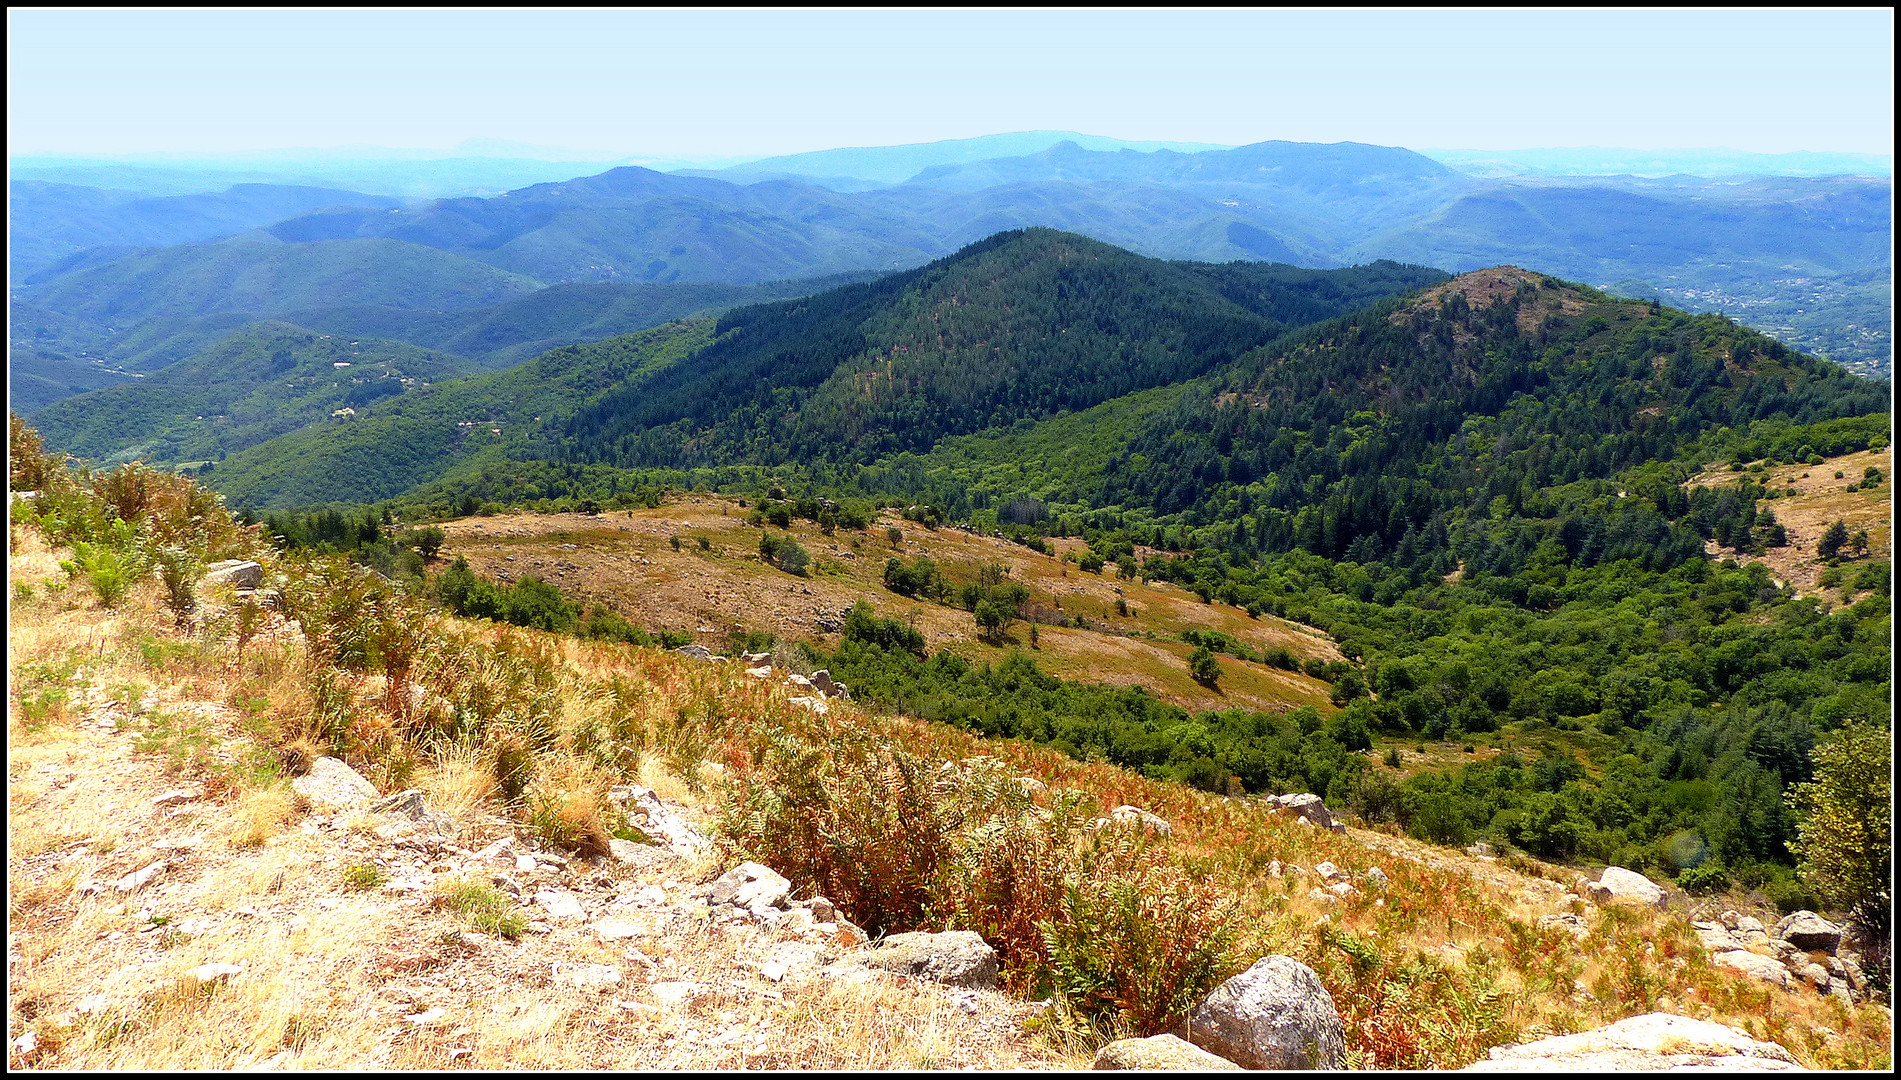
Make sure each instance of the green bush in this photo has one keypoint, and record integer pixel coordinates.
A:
(1708, 878)
(1143, 947)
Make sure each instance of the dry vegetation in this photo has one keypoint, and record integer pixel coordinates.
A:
(1430, 972)
(626, 561)
(1821, 498)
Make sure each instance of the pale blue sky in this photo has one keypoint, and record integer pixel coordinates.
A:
(718, 83)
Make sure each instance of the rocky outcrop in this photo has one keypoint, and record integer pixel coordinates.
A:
(1620, 886)
(238, 573)
(1138, 817)
(1162, 1053)
(1653, 1042)
(332, 785)
(1308, 807)
(956, 958)
(647, 813)
(1809, 932)
(1274, 1015)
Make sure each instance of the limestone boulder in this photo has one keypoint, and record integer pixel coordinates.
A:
(1652, 1042)
(752, 886)
(1275, 1015)
(238, 573)
(1808, 931)
(1754, 965)
(1620, 886)
(332, 785)
(1161, 1053)
(956, 958)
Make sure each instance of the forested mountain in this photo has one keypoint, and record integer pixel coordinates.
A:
(1805, 259)
(49, 223)
(257, 273)
(397, 445)
(1016, 327)
(258, 383)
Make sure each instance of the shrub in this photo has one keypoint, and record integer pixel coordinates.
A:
(1145, 946)
(364, 876)
(784, 553)
(1708, 878)
(1203, 666)
(483, 907)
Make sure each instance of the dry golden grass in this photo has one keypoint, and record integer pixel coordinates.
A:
(624, 560)
(1428, 973)
(1821, 499)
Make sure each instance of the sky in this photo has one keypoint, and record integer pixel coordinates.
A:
(718, 83)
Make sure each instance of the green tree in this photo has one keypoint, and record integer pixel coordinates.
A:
(1203, 666)
(1845, 843)
(1831, 543)
(428, 540)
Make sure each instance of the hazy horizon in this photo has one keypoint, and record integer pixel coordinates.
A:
(721, 86)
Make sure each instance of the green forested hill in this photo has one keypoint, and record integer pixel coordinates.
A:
(1020, 326)
(398, 445)
(258, 383)
(261, 275)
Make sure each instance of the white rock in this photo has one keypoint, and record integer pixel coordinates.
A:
(1620, 886)
(559, 903)
(427, 1016)
(1132, 815)
(751, 886)
(616, 929)
(332, 785)
(1160, 1053)
(956, 958)
(1754, 965)
(141, 877)
(587, 976)
(1653, 1042)
(212, 974)
(1275, 1015)
(179, 795)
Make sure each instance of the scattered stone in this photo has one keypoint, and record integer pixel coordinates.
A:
(625, 851)
(1479, 850)
(1815, 975)
(1375, 877)
(240, 573)
(498, 850)
(1327, 870)
(1342, 890)
(669, 829)
(810, 704)
(507, 884)
(616, 929)
(755, 657)
(178, 795)
(213, 974)
(403, 804)
(1031, 785)
(524, 864)
(141, 877)
(1161, 1053)
(559, 903)
(1132, 815)
(332, 785)
(426, 1017)
(676, 993)
(637, 1008)
(92, 1004)
(697, 652)
(1567, 922)
(1620, 886)
(1274, 1015)
(587, 976)
(764, 672)
(1808, 931)
(1653, 1042)
(955, 958)
(750, 885)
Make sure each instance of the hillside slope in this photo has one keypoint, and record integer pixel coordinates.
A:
(260, 382)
